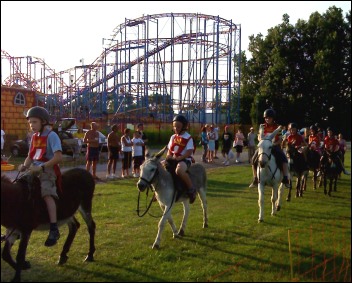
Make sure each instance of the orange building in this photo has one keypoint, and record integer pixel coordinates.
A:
(15, 102)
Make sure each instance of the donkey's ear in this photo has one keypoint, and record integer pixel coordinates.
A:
(147, 154)
(160, 153)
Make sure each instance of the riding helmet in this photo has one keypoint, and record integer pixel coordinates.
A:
(329, 129)
(39, 112)
(269, 113)
(182, 119)
(293, 125)
(314, 128)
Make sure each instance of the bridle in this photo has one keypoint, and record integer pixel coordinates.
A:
(149, 186)
(269, 158)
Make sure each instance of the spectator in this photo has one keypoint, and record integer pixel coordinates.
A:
(216, 131)
(239, 138)
(2, 140)
(343, 147)
(91, 138)
(211, 143)
(251, 143)
(140, 129)
(204, 143)
(114, 147)
(226, 145)
(137, 153)
(126, 148)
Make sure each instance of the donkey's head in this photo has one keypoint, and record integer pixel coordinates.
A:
(149, 170)
(264, 148)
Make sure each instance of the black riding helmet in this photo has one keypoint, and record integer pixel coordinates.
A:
(39, 112)
(269, 113)
(293, 125)
(314, 128)
(182, 119)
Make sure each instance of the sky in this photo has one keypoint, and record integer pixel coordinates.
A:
(64, 32)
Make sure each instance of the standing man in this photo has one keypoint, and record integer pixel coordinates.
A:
(114, 148)
(143, 136)
(91, 138)
(251, 144)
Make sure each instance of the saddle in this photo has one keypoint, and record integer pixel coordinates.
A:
(179, 184)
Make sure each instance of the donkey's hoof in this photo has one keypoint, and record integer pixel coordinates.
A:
(205, 225)
(181, 233)
(89, 258)
(155, 247)
(62, 260)
(260, 220)
(278, 208)
(288, 199)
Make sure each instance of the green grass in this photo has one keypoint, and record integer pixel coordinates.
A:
(234, 247)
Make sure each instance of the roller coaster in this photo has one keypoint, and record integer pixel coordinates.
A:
(152, 66)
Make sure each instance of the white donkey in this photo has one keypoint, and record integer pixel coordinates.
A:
(268, 173)
(155, 175)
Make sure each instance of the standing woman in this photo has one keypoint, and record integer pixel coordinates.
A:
(226, 145)
(239, 138)
(211, 143)
(126, 148)
(204, 142)
(343, 147)
(251, 143)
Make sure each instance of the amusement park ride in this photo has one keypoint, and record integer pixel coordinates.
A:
(153, 66)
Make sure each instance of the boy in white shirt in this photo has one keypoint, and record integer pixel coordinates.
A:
(137, 153)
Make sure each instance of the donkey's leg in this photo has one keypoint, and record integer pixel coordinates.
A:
(274, 193)
(173, 226)
(11, 237)
(186, 209)
(86, 213)
(325, 184)
(161, 225)
(21, 255)
(261, 202)
(73, 226)
(203, 201)
(279, 197)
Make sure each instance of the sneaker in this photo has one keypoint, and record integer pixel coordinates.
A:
(237, 161)
(108, 176)
(254, 183)
(54, 235)
(113, 176)
(286, 182)
(223, 162)
(227, 163)
(192, 193)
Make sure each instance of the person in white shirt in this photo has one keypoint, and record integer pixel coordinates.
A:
(137, 153)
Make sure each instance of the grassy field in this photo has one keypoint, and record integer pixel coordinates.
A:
(234, 247)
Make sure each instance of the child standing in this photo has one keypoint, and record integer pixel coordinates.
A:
(126, 148)
(44, 156)
(137, 153)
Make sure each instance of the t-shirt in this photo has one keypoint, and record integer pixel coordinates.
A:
(53, 145)
(137, 150)
(2, 139)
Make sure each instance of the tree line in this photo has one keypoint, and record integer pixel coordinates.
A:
(303, 71)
